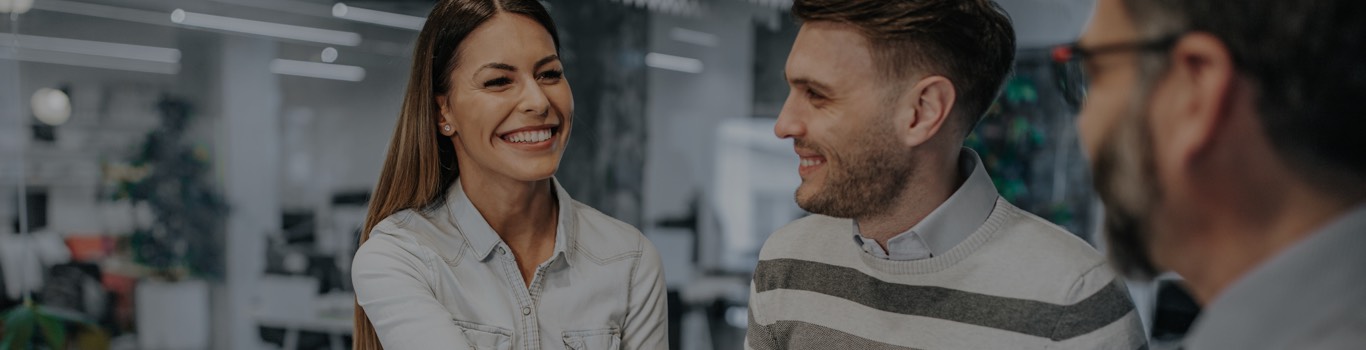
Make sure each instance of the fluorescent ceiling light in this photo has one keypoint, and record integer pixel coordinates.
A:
(329, 55)
(341, 10)
(159, 18)
(670, 7)
(101, 62)
(15, 6)
(103, 11)
(693, 37)
(317, 70)
(94, 54)
(93, 48)
(781, 4)
(290, 6)
(673, 63)
(271, 29)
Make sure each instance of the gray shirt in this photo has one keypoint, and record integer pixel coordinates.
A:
(949, 224)
(443, 279)
(1310, 296)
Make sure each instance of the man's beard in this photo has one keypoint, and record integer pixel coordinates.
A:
(864, 183)
(1125, 179)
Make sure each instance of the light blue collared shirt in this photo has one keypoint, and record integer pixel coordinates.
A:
(949, 224)
(1309, 296)
(443, 279)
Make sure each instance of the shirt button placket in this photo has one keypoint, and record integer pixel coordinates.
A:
(533, 338)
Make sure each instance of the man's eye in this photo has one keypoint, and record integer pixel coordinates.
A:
(813, 95)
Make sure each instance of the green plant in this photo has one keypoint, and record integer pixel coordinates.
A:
(171, 176)
(20, 324)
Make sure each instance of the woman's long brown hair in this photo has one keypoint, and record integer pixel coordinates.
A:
(420, 165)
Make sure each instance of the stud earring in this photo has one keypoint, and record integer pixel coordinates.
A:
(446, 129)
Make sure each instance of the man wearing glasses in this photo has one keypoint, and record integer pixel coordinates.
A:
(911, 246)
(1226, 141)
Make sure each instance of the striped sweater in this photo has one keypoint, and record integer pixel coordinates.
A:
(1018, 282)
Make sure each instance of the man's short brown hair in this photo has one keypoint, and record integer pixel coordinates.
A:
(971, 42)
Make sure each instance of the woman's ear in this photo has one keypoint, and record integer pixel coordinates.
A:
(444, 124)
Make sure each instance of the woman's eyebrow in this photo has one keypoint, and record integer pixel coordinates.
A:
(499, 66)
(547, 60)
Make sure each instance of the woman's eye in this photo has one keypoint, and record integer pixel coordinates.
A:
(497, 82)
(552, 75)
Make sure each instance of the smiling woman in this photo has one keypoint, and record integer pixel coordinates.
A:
(470, 242)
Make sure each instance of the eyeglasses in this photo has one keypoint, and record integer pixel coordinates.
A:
(1069, 62)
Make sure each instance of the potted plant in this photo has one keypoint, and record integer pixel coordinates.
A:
(181, 248)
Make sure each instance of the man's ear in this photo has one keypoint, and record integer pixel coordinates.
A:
(1202, 78)
(925, 110)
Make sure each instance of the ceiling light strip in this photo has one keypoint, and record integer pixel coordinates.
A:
(317, 70)
(101, 62)
(93, 48)
(270, 29)
(342, 10)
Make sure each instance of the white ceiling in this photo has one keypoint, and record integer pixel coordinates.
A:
(1040, 23)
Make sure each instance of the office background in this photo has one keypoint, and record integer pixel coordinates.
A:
(192, 174)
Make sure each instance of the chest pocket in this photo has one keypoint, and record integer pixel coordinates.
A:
(601, 339)
(481, 337)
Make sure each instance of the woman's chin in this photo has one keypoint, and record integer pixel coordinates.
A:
(532, 172)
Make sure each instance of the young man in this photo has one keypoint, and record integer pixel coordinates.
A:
(1226, 141)
(911, 246)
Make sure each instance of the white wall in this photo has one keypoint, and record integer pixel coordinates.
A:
(684, 110)
(347, 127)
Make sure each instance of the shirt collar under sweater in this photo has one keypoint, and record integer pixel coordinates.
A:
(946, 226)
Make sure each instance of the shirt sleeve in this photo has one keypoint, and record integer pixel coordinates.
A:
(1102, 315)
(757, 336)
(647, 320)
(392, 288)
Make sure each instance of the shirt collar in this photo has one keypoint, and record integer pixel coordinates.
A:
(950, 223)
(1308, 280)
(483, 240)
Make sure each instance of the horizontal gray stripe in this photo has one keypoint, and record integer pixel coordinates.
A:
(1036, 318)
(794, 335)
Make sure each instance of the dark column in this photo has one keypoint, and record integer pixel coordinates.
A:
(603, 45)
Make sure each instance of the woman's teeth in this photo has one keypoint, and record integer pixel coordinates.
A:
(532, 136)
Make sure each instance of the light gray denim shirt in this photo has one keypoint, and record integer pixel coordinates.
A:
(443, 279)
(1309, 296)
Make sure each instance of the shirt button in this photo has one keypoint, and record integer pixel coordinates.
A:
(501, 251)
(526, 310)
